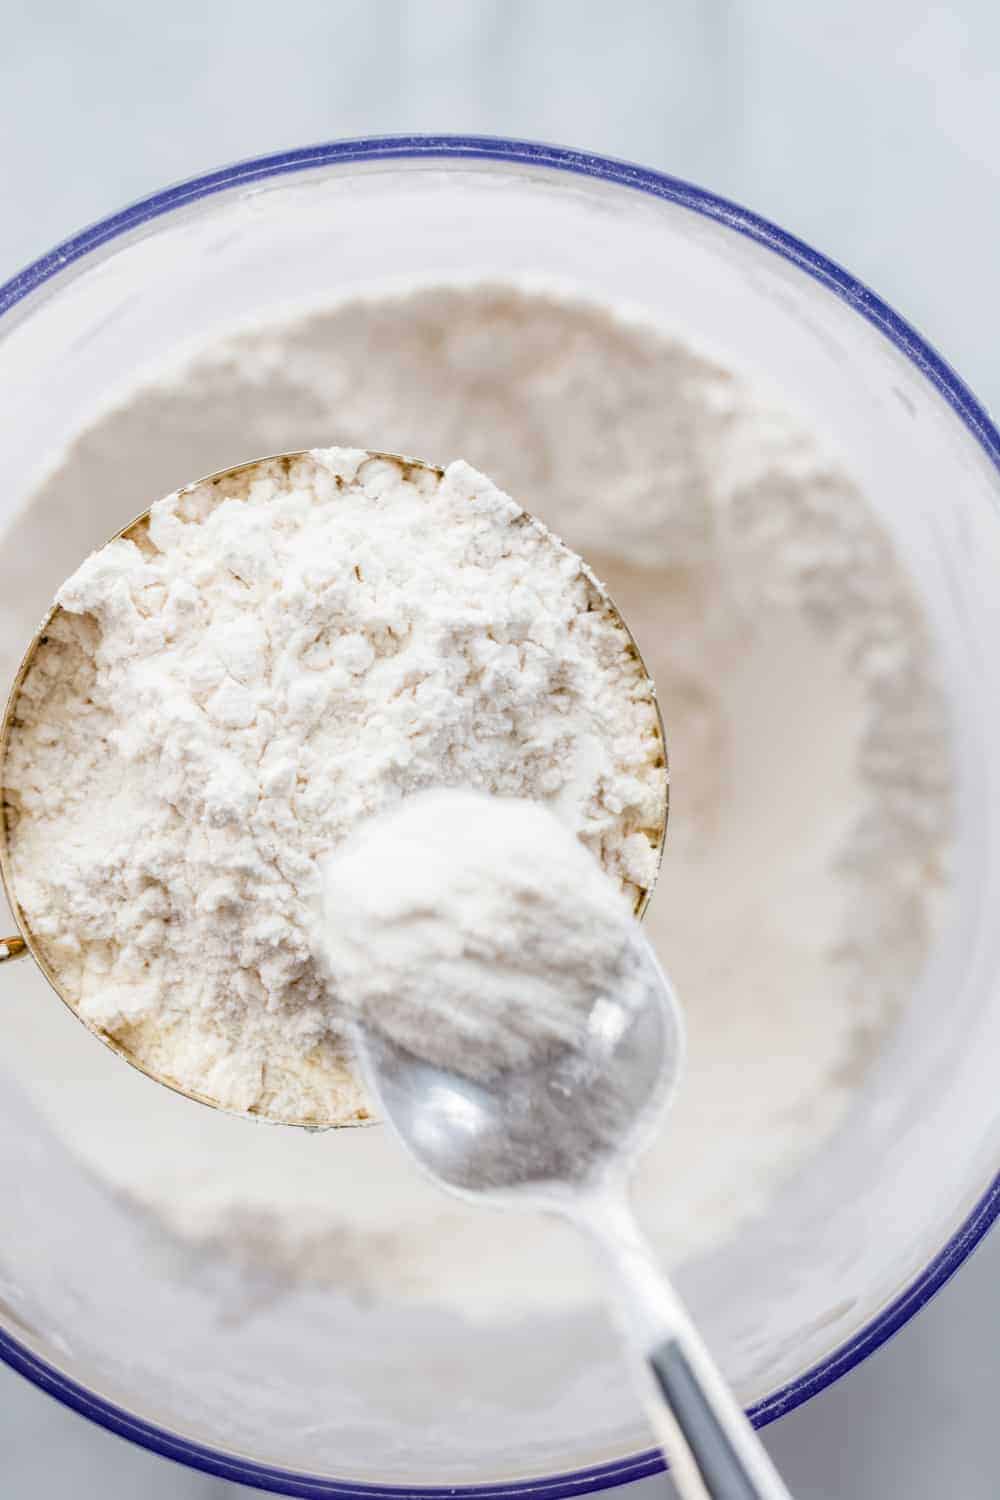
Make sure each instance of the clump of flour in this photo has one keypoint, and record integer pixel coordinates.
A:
(274, 656)
(473, 932)
(810, 804)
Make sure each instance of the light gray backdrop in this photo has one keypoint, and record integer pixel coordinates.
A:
(869, 127)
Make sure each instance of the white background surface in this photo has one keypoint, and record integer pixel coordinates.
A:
(871, 128)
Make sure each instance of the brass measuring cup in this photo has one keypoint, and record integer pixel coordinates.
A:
(25, 942)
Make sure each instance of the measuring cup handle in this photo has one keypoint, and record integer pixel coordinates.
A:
(11, 948)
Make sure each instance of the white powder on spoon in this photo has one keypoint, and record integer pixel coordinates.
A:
(472, 931)
(811, 808)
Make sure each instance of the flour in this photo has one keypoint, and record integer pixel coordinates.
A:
(275, 656)
(476, 933)
(810, 807)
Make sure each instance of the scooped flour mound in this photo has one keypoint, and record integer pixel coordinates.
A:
(275, 656)
(474, 932)
(810, 764)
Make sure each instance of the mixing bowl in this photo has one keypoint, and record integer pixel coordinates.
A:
(306, 1392)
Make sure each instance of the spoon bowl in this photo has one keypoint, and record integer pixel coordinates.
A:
(566, 1127)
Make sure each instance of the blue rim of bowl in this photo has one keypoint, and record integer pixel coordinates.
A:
(948, 385)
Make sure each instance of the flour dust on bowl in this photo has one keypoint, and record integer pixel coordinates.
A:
(794, 504)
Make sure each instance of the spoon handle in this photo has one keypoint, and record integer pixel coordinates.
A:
(723, 1472)
(713, 1452)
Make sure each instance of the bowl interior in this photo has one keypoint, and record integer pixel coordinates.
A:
(314, 1382)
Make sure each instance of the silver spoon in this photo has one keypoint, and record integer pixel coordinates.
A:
(564, 1138)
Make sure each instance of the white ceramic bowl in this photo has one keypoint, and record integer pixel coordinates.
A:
(360, 1402)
